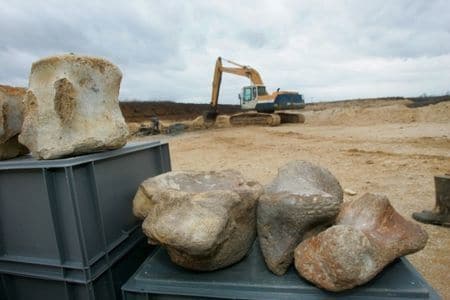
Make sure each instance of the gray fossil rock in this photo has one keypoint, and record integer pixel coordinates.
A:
(369, 235)
(72, 107)
(302, 200)
(206, 220)
(305, 178)
(11, 119)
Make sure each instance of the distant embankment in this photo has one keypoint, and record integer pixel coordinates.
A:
(415, 101)
(139, 111)
(427, 100)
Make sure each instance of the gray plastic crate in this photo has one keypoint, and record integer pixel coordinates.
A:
(105, 286)
(159, 278)
(68, 218)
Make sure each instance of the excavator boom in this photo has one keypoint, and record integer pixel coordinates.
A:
(217, 80)
(241, 70)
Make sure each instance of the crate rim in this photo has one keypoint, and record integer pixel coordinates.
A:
(32, 163)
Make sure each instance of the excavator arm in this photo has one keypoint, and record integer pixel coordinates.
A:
(240, 70)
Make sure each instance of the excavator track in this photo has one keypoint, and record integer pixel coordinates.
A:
(291, 117)
(254, 118)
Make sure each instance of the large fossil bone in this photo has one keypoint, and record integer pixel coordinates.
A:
(206, 220)
(72, 107)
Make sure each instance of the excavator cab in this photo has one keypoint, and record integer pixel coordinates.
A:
(250, 94)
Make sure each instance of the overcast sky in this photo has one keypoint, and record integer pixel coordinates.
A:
(326, 50)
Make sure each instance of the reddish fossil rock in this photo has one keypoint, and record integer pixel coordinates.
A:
(369, 235)
(378, 220)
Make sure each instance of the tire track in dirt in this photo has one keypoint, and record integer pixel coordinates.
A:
(385, 153)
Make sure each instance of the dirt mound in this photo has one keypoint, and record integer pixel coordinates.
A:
(393, 112)
(369, 102)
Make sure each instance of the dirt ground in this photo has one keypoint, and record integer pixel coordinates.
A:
(379, 147)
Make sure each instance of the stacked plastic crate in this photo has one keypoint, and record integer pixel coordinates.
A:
(66, 226)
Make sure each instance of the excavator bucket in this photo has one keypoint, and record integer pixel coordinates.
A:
(210, 115)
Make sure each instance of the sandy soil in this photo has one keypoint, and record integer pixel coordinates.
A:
(370, 147)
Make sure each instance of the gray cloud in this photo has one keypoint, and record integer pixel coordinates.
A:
(167, 50)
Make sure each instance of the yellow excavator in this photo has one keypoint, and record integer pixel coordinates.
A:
(269, 108)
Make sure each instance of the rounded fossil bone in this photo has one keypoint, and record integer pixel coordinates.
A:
(206, 220)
